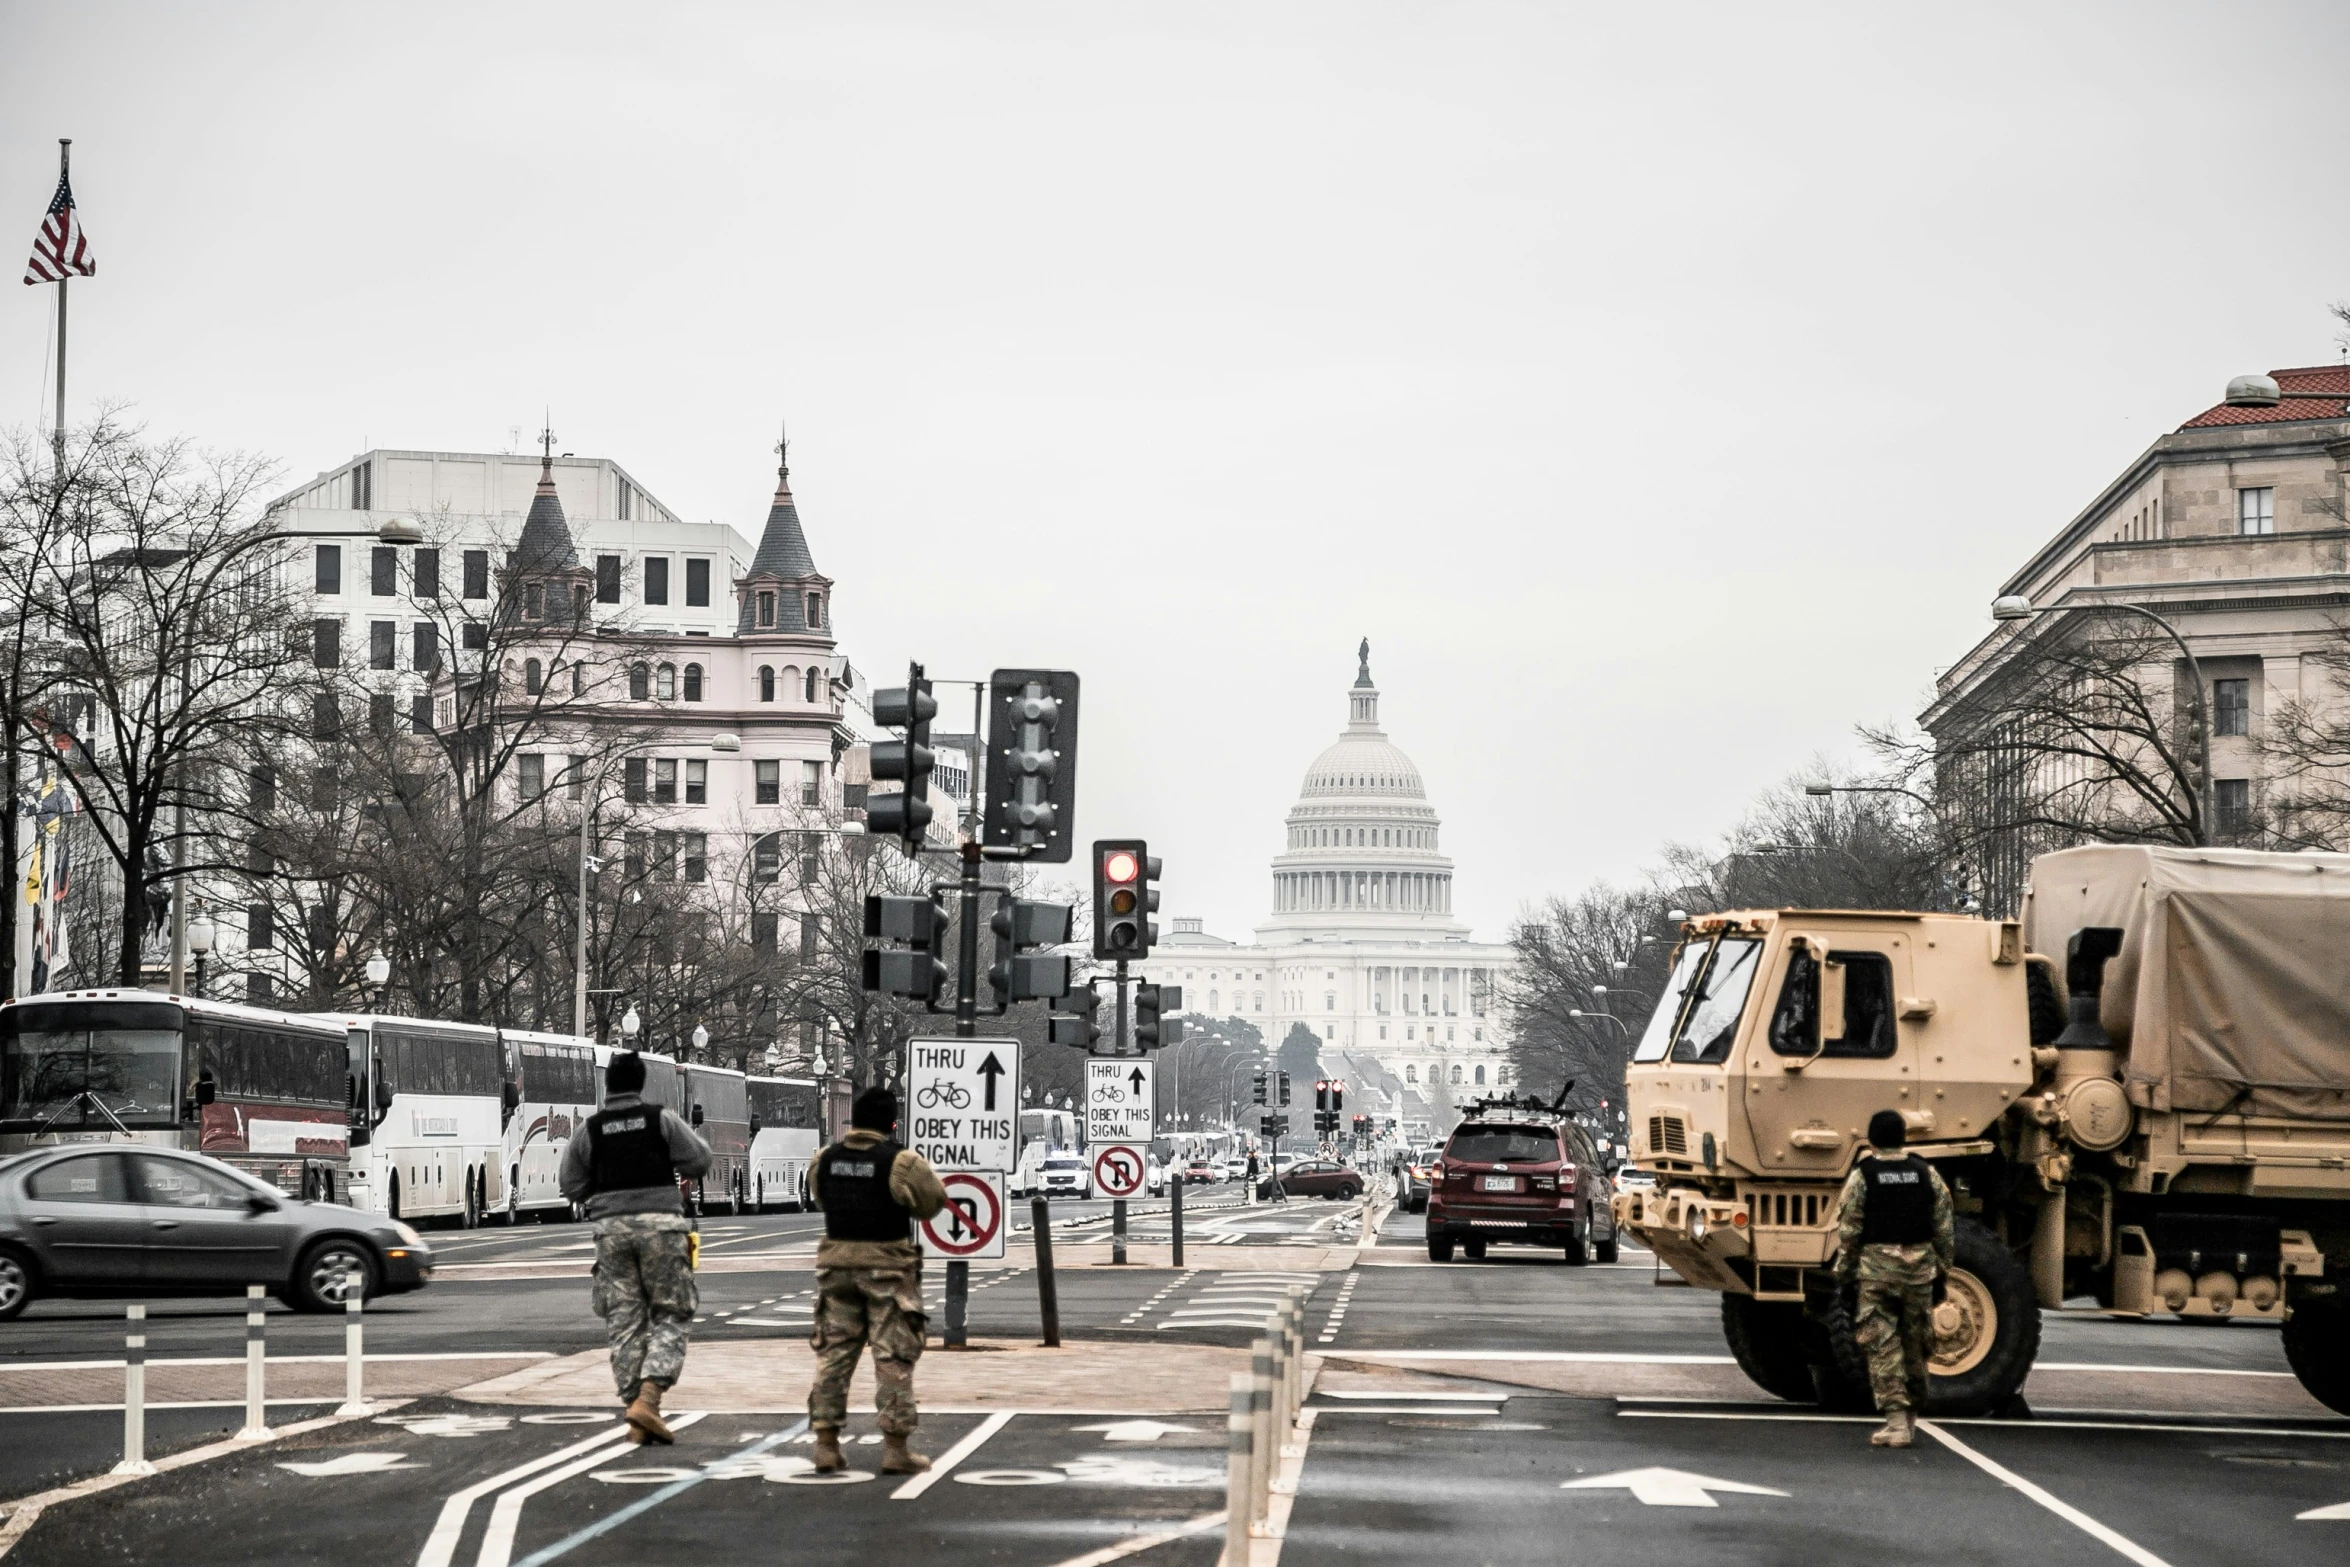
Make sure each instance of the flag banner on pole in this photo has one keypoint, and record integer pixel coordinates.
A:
(60, 250)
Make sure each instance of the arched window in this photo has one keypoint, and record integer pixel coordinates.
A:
(665, 682)
(791, 680)
(533, 677)
(693, 682)
(1213, 1001)
(1480, 1077)
(766, 682)
(1411, 1073)
(578, 678)
(640, 682)
(813, 672)
(1456, 1074)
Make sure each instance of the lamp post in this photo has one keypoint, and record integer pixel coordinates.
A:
(200, 938)
(701, 1040)
(629, 1024)
(725, 743)
(379, 974)
(2015, 606)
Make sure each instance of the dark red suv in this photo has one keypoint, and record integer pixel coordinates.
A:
(1520, 1176)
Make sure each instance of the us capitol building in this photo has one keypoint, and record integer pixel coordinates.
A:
(1362, 946)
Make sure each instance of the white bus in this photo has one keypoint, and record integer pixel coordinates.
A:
(426, 1101)
(558, 1081)
(784, 1138)
(718, 1107)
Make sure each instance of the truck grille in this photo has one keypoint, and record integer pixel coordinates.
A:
(1800, 1210)
(1667, 1134)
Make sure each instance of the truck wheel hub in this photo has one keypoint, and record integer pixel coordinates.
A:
(1964, 1325)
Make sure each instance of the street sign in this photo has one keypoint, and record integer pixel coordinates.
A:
(1118, 1100)
(962, 1102)
(1117, 1169)
(972, 1222)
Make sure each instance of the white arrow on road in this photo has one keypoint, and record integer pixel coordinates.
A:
(1135, 1430)
(353, 1464)
(1667, 1487)
(2316, 1514)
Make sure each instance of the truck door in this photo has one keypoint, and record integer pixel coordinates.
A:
(1813, 1081)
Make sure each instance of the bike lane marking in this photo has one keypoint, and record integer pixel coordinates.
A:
(2057, 1505)
(944, 1464)
(440, 1547)
(602, 1526)
(497, 1544)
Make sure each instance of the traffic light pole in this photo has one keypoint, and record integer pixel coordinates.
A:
(1118, 1204)
(957, 1334)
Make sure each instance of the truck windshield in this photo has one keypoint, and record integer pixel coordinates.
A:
(1697, 1017)
(90, 1064)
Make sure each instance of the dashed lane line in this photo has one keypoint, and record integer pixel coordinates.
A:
(440, 1547)
(497, 1544)
(2057, 1505)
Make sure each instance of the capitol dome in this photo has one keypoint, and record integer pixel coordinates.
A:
(1361, 858)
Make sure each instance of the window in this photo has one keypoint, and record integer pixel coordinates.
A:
(93, 1177)
(766, 602)
(697, 783)
(328, 569)
(815, 611)
(428, 574)
(2256, 511)
(665, 682)
(632, 780)
(769, 785)
(260, 989)
(477, 574)
(424, 647)
(693, 682)
(383, 571)
(697, 856)
(664, 863)
(261, 789)
(534, 776)
(632, 856)
(2232, 707)
(767, 859)
(811, 783)
(326, 716)
(324, 788)
(813, 687)
(381, 714)
(1867, 1025)
(319, 923)
(420, 713)
(534, 677)
(811, 934)
(383, 644)
(533, 602)
(656, 579)
(1480, 1077)
(326, 644)
(763, 927)
(579, 677)
(607, 579)
(2231, 803)
(811, 858)
(1330, 1003)
(697, 584)
(476, 636)
(766, 683)
(665, 781)
(575, 777)
(640, 682)
(260, 927)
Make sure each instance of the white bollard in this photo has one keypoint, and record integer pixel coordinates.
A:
(1260, 1404)
(134, 1396)
(1239, 1470)
(256, 1407)
(354, 1358)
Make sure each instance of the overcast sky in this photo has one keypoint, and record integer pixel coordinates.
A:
(1663, 390)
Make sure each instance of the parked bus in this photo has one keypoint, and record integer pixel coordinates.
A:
(718, 1107)
(427, 1098)
(558, 1081)
(259, 1089)
(784, 1138)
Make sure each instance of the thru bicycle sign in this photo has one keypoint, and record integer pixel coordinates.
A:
(962, 1103)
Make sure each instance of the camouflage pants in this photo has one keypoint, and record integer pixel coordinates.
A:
(646, 1294)
(860, 1306)
(1895, 1323)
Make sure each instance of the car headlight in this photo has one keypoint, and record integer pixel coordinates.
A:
(408, 1237)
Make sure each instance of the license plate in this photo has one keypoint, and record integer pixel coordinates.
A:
(1499, 1183)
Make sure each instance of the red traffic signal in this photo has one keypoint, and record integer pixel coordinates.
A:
(1120, 865)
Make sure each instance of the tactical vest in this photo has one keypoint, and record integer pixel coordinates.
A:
(855, 1189)
(627, 1149)
(1900, 1210)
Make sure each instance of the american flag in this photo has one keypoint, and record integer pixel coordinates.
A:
(60, 249)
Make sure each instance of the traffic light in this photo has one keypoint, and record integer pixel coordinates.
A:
(1123, 899)
(921, 923)
(1260, 1088)
(1284, 1101)
(1032, 762)
(1152, 1028)
(905, 816)
(1077, 1026)
(1020, 973)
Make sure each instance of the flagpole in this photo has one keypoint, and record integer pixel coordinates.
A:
(57, 431)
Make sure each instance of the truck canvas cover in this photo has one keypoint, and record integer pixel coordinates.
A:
(2231, 993)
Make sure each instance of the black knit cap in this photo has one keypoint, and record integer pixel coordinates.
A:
(876, 1110)
(1887, 1129)
(624, 1073)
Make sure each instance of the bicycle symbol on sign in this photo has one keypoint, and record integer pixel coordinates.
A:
(933, 1095)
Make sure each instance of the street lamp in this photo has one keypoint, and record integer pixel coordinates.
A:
(200, 938)
(1602, 1017)
(587, 818)
(379, 974)
(701, 1040)
(629, 1024)
(2015, 606)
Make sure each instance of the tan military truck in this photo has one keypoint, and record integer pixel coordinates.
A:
(2172, 1138)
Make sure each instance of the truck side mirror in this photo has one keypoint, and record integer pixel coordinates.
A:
(1831, 999)
(383, 1095)
(510, 1094)
(206, 1089)
(697, 1116)
(754, 1126)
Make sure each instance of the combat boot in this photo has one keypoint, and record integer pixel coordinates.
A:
(899, 1459)
(1897, 1431)
(828, 1459)
(644, 1416)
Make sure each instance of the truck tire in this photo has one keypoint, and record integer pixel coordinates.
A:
(1766, 1338)
(1440, 1248)
(1980, 1375)
(2317, 1347)
(1578, 1247)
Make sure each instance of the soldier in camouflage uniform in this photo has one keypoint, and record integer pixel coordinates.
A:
(624, 1164)
(869, 1279)
(1895, 1241)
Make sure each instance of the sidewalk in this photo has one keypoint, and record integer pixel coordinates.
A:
(771, 1376)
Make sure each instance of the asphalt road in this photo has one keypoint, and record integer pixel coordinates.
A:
(1495, 1472)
